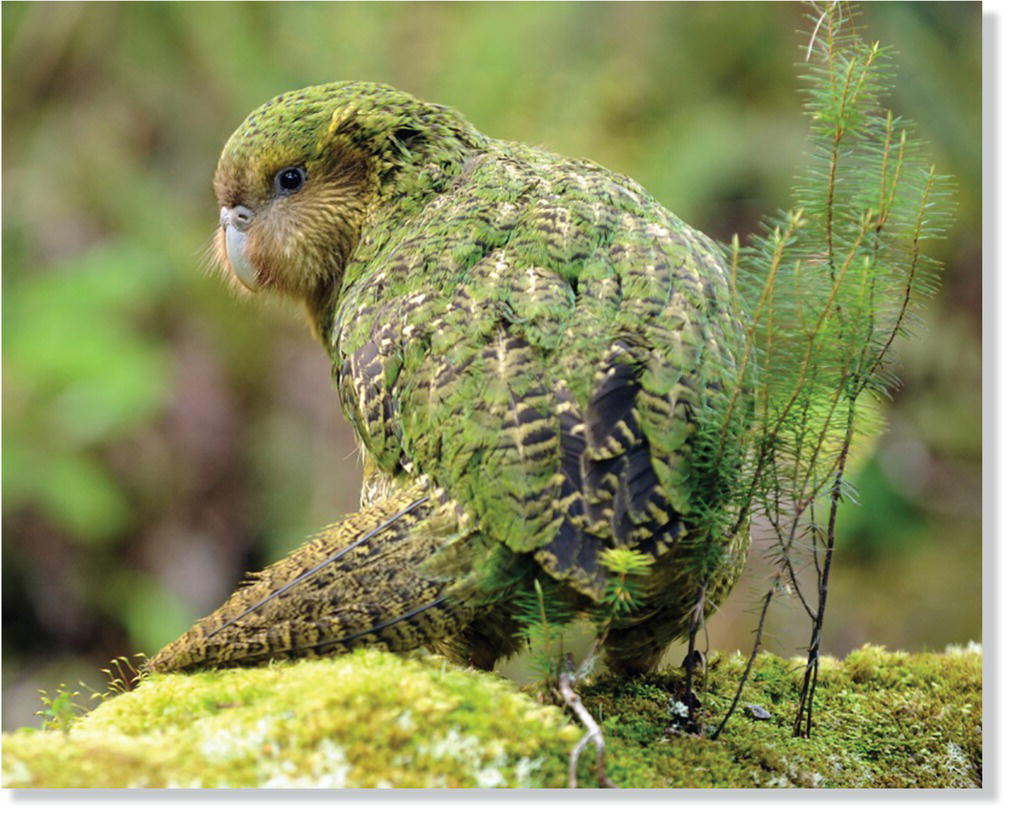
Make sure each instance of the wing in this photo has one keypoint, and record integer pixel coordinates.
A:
(539, 341)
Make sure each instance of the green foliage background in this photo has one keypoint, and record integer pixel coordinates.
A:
(159, 436)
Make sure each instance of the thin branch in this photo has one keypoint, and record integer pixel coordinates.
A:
(749, 665)
(812, 665)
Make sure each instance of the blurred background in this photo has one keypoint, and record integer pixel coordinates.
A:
(161, 437)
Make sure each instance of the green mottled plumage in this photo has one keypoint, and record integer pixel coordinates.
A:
(528, 343)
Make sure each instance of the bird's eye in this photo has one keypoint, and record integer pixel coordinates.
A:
(289, 180)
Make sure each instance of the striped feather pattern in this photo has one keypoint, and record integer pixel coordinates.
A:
(324, 597)
(551, 384)
(535, 339)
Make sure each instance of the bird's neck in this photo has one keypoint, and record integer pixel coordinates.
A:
(414, 169)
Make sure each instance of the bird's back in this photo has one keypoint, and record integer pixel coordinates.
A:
(540, 339)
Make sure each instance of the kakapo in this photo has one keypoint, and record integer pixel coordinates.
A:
(533, 353)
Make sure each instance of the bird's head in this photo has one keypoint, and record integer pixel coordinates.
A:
(303, 175)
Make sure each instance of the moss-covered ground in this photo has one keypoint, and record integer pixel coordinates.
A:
(373, 719)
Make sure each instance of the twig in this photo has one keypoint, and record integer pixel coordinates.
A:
(816, 30)
(694, 626)
(805, 706)
(749, 665)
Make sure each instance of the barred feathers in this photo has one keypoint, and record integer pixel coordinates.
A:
(357, 583)
(535, 336)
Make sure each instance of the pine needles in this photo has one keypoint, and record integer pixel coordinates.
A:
(826, 288)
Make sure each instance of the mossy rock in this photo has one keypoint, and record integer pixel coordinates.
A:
(373, 719)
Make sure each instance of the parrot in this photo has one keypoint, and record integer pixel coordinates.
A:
(530, 349)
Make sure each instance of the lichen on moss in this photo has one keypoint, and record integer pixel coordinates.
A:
(373, 719)
(369, 719)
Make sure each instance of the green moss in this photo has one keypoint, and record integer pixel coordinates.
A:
(364, 720)
(372, 719)
(882, 719)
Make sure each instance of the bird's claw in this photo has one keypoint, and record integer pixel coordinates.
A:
(594, 734)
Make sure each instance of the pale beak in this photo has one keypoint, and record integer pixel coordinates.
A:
(236, 221)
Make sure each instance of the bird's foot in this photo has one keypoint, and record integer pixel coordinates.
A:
(594, 734)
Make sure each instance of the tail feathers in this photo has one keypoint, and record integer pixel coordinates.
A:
(359, 582)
